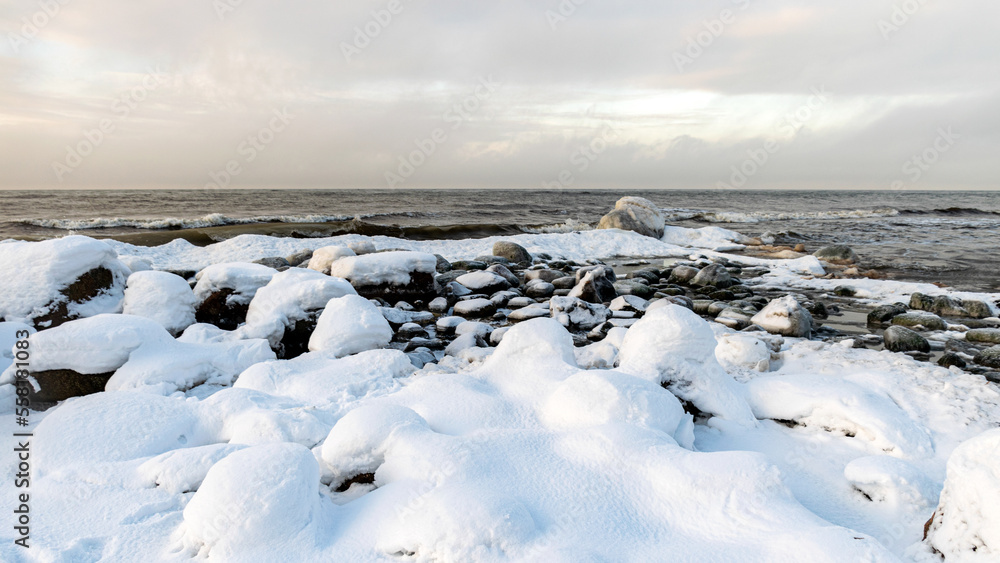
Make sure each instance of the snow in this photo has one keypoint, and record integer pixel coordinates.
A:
(243, 279)
(324, 257)
(34, 273)
(290, 296)
(966, 524)
(675, 347)
(711, 238)
(348, 325)
(384, 267)
(482, 279)
(742, 351)
(161, 296)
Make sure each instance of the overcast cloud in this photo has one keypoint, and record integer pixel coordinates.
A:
(581, 93)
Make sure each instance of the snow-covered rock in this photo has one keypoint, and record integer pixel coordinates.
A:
(483, 282)
(575, 313)
(161, 296)
(223, 292)
(966, 524)
(323, 257)
(391, 275)
(735, 350)
(635, 214)
(674, 347)
(348, 325)
(785, 316)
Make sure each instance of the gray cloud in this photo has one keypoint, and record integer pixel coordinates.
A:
(563, 81)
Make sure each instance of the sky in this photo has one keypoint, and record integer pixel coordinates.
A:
(753, 94)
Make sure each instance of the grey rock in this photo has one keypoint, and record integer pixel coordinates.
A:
(989, 357)
(837, 254)
(577, 314)
(484, 282)
(512, 251)
(949, 359)
(977, 309)
(635, 214)
(633, 287)
(439, 305)
(985, 335)
(565, 282)
(539, 289)
(609, 272)
(714, 275)
(299, 258)
(901, 339)
(594, 286)
(475, 308)
(505, 273)
(465, 341)
(443, 265)
(883, 314)
(918, 320)
(682, 275)
(276, 262)
(526, 313)
(632, 303)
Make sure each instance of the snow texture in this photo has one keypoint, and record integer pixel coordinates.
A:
(348, 325)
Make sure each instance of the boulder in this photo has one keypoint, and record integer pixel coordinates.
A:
(161, 296)
(883, 314)
(594, 286)
(633, 287)
(512, 251)
(989, 357)
(61, 384)
(682, 274)
(299, 258)
(949, 359)
(902, 339)
(785, 316)
(485, 282)
(277, 262)
(713, 275)
(837, 254)
(920, 320)
(985, 335)
(977, 309)
(539, 289)
(224, 291)
(348, 325)
(443, 265)
(635, 214)
(577, 314)
(505, 273)
(393, 275)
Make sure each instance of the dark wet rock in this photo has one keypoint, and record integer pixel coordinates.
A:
(299, 258)
(921, 302)
(989, 357)
(837, 254)
(701, 306)
(714, 275)
(949, 359)
(723, 295)
(450, 276)
(682, 275)
(478, 308)
(901, 339)
(512, 251)
(85, 288)
(883, 314)
(635, 214)
(295, 340)
(399, 317)
(484, 282)
(277, 262)
(716, 307)
(984, 335)
(920, 321)
(672, 290)
(818, 310)
(539, 289)
(408, 331)
(565, 282)
(221, 310)
(443, 265)
(501, 298)
(845, 291)
(594, 286)
(505, 273)
(633, 287)
(469, 265)
(61, 384)
(649, 277)
(977, 309)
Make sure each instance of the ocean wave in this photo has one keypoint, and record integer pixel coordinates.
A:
(763, 216)
(571, 225)
(210, 220)
(967, 211)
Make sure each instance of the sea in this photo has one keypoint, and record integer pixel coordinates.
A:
(947, 237)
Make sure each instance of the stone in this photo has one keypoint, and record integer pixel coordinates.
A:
(594, 286)
(949, 359)
(577, 314)
(785, 316)
(977, 309)
(635, 214)
(901, 339)
(989, 357)
(222, 311)
(479, 307)
(948, 307)
(818, 310)
(883, 314)
(920, 320)
(484, 282)
(544, 275)
(682, 275)
(443, 265)
(299, 258)
(505, 273)
(61, 384)
(714, 275)
(447, 325)
(277, 262)
(394, 275)
(609, 272)
(845, 291)
(632, 303)
(837, 254)
(539, 289)
(469, 265)
(88, 286)
(512, 251)
(526, 313)
(323, 257)
(921, 301)
(985, 335)
(518, 302)
(633, 287)
(465, 341)
(438, 305)
(648, 277)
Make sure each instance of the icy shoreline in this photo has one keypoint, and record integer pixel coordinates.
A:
(671, 434)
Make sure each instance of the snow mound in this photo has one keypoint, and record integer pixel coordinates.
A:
(99, 344)
(837, 405)
(886, 479)
(287, 298)
(966, 524)
(711, 238)
(319, 379)
(243, 279)
(323, 257)
(534, 343)
(593, 398)
(35, 273)
(129, 426)
(358, 442)
(348, 325)
(674, 347)
(254, 504)
(742, 351)
(161, 296)
(182, 471)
